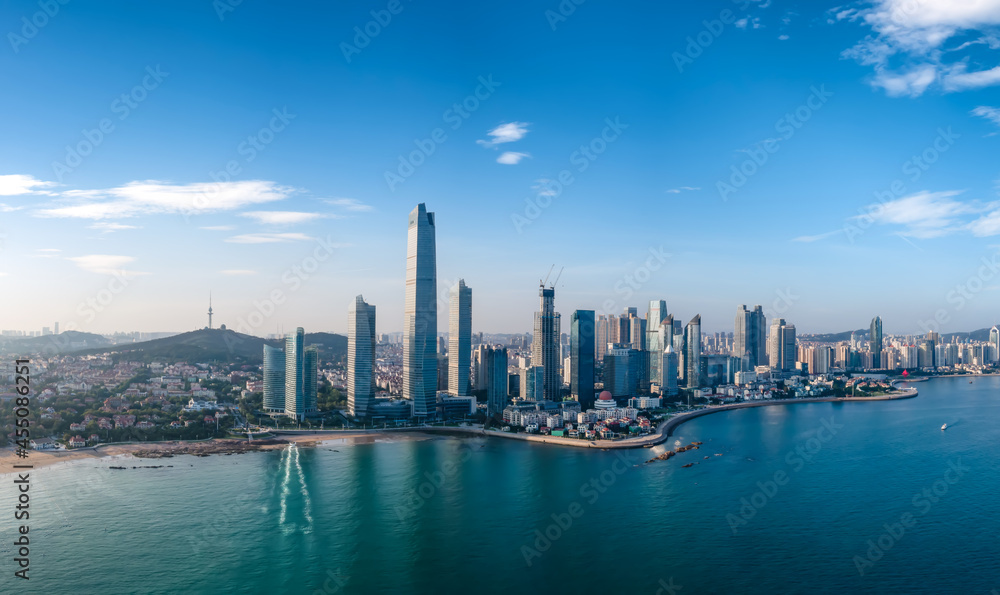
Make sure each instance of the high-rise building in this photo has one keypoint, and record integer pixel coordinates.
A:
(994, 342)
(420, 314)
(668, 386)
(581, 347)
(750, 337)
(545, 344)
(274, 379)
(637, 332)
(531, 381)
(310, 379)
(692, 353)
(295, 375)
(781, 346)
(479, 367)
(56, 328)
(875, 342)
(460, 339)
(360, 358)
(496, 380)
(622, 372)
(654, 334)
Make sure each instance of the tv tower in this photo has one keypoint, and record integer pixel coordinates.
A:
(210, 309)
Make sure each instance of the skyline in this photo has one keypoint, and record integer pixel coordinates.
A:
(650, 197)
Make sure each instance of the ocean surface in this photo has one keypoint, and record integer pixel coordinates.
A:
(805, 498)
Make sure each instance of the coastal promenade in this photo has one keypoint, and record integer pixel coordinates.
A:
(663, 431)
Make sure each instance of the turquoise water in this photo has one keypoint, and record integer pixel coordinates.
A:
(354, 521)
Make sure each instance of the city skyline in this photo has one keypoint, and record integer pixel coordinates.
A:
(263, 189)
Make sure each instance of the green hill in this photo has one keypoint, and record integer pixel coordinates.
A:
(60, 344)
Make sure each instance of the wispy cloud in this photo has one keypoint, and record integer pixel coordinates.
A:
(818, 237)
(237, 272)
(19, 184)
(682, 189)
(110, 226)
(505, 133)
(907, 48)
(350, 204)
(105, 264)
(268, 238)
(153, 197)
(218, 227)
(990, 113)
(511, 157)
(5, 208)
(282, 217)
(930, 214)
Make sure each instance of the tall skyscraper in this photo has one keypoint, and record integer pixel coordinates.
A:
(581, 348)
(994, 343)
(274, 379)
(310, 379)
(603, 337)
(420, 314)
(669, 378)
(692, 353)
(545, 344)
(875, 342)
(360, 357)
(655, 316)
(781, 346)
(496, 380)
(750, 337)
(460, 339)
(295, 375)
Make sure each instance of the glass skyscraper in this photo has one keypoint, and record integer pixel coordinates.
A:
(360, 358)
(274, 379)
(581, 349)
(875, 342)
(460, 339)
(297, 382)
(420, 314)
(545, 343)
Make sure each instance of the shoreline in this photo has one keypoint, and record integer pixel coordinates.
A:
(158, 450)
(229, 446)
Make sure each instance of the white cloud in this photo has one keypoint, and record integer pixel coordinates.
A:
(682, 189)
(817, 237)
(218, 227)
(505, 133)
(5, 208)
(268, 238)
(783, 38)
(351, 204)
(237, 272)
(990, 113)
(152, 197)
(511, 157)
(110, 226)
(907, 45)
(281, 217)
(19, 184)
(49, 250)
(105, 264)
(927, 214)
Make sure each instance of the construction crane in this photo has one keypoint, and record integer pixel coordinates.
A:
(542, 282)
(556, 282)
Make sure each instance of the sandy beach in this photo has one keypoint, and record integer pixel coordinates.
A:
(153, 450)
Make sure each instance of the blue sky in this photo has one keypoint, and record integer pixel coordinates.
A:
(643, 112)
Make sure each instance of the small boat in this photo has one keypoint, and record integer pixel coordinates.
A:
(944, 427)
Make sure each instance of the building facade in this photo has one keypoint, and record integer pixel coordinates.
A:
(420, 364)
